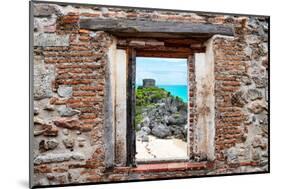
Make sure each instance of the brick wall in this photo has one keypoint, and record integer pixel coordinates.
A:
(70, 73)
(241, 103)
(230, 67)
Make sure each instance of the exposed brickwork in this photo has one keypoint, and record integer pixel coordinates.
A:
(230, 67)
(70, 74)
(237, 61)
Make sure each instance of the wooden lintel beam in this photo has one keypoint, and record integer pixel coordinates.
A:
(186, 41)
(144, 28)
(172, 49)
(165, 49)
(167, 41)
(140, 43)
(163, 54)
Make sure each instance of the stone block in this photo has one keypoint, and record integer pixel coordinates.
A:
(50, 40)
(65, 111)
(43, 77)
(257, 106)
(48, 145)
(69, 142)
(253, 94)
(47, 25)
(260, 82)
(73, 123)
(43, 9)
(65, 91)
(53, 158)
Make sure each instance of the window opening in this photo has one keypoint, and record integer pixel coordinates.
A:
(161, 108)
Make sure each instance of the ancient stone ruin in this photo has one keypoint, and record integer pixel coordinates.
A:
(148, 83)
(83, 60)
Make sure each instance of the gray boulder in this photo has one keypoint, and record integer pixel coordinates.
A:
(145, 138)
(176, 119)
(145, 122)
(178, 131)
(161, 131)
(142, 135)
(146, 130)
(138, 127)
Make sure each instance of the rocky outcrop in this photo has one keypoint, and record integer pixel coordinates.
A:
(166, 118)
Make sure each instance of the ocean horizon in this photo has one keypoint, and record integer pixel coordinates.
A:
(177, 90)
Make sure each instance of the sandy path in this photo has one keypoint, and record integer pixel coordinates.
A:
(161, 149)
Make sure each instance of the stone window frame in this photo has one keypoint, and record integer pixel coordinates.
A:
(199, 149)
(202, 123)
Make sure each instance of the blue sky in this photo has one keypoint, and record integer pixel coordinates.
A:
(166, 71)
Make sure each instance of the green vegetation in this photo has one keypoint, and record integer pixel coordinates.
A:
(148, 97)
(138, 120)
(138, 117)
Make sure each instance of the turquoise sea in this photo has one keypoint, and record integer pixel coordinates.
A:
(177, 90)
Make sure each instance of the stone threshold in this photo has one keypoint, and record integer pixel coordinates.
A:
(176, 166)
(166, 167)
(159, 160)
